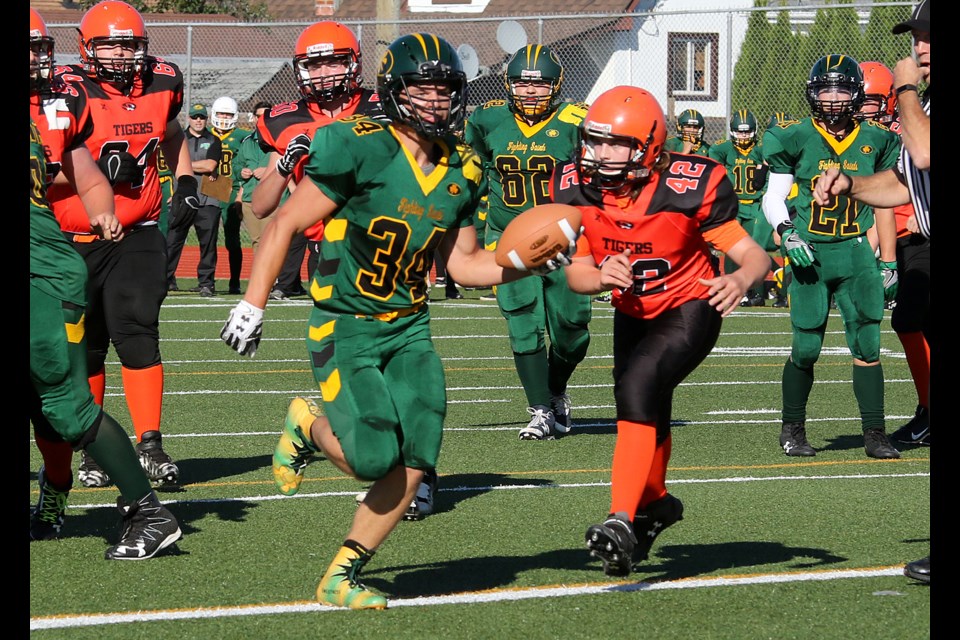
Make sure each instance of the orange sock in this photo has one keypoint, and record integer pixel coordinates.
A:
(657, 480)
(143, 389)
(917, 351)
(56, 462)
(632, 459)
(98, 385)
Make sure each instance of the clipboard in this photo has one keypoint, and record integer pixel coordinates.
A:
(217, 187)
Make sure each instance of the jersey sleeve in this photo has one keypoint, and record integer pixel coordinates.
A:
(774, 152)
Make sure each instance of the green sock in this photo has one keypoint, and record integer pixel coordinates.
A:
(797, 384)
(533, 371)
(560, 372)
(116, 456)
(868, 388)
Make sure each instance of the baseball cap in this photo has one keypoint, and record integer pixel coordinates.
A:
(919, 20)
(198, 110)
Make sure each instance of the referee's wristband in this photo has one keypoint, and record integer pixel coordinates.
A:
(907, 87)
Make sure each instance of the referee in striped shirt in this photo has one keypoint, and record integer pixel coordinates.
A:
(909, 181)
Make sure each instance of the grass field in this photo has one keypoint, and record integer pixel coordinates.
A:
(770, 546)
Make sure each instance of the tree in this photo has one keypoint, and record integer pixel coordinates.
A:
(245, 10)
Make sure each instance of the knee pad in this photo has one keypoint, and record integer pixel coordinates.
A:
(806, 348)
(866, 342)
(136, 352)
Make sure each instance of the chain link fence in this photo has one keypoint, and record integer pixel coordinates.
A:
(714, 61)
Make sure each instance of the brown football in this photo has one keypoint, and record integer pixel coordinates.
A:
(537, 235)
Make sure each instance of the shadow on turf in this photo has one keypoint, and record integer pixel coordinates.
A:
(670, 562)
(471, 485)
(105, 522)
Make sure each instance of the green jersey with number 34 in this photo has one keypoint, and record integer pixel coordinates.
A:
(518, 158)
(378, 247)
(805, 150)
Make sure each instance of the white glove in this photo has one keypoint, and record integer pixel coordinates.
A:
(562, 259)
(243, 328)
(296, 149)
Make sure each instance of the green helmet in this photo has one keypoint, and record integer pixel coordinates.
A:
(835, 71)
(779, 118)
(690, 126)
(422, 58)
(743, 128)
(534, 63)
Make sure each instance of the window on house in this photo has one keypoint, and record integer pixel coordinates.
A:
(693, 63)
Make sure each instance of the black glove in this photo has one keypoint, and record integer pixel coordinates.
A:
(760, 177)
(296, 149)
(120, 166)
(184, 205)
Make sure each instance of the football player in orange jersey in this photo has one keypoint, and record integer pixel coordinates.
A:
(911, 314)
(328, 67)
(134, 100)
(648, 219)
(62, 408)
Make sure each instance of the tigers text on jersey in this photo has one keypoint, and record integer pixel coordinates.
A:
(518, 158)
(55, 266)
(663, 228)
(378, 248)
(136, 123)
(741, 166)
(804, 150)
(62, 115)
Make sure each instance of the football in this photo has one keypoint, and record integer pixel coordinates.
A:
(537, 235)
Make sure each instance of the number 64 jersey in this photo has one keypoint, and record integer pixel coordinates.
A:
(668, 229)
(378, 247)
(135, 122)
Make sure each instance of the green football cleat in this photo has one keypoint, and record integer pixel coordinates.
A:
(340, 588)
(295, 449)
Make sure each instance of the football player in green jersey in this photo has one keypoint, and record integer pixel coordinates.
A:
(391, 193)
(62, 407)
(828, 248)
(224, 117)
(743, 158)
(689, 138)
(520, 140)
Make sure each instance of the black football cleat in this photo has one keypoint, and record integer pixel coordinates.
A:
(613, 542)
(918, 570)
(650, 522)
(916, 431)
(793, 440)
(876, 444)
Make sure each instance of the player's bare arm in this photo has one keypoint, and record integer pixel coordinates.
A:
(914, 123)
(727, 290)
(81, 170)
(302, 210)
(267, 195)
(174, 147)
(469, 264)
(583, 275)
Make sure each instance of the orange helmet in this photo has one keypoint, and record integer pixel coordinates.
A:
(327, 39)
(879, 93)
(627, 116)
(42, 44)
(109, 22)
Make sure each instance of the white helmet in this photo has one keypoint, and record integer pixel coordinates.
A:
(224, 105)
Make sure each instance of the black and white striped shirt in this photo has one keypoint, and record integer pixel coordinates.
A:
(917, 180)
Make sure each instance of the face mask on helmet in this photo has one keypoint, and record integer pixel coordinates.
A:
(41, 46)
(743, 129)
(113, 42)
(621, 138)
(332, 47)
(533, 66)
(840, 75)
(690, 126)
(429, 62)
(880, 100)
(225, 113)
